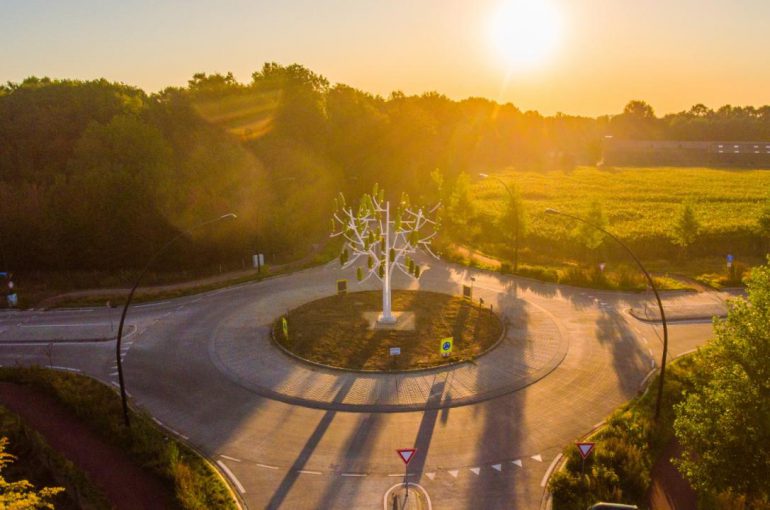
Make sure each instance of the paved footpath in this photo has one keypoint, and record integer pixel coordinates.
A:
(290, 435)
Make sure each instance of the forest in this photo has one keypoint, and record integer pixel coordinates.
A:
(96, 175)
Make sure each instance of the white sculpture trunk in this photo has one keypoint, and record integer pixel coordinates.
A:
(387, 315)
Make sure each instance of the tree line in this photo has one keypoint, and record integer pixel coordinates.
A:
(98, 175)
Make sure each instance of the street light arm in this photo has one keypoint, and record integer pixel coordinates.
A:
(130, 297)
(654, 290)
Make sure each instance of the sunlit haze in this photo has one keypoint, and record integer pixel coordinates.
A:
(580, 56)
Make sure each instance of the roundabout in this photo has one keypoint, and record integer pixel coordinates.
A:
(530, 347)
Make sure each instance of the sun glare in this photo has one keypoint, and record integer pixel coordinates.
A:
(524, 32)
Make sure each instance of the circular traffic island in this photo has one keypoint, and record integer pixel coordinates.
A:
(342, 331)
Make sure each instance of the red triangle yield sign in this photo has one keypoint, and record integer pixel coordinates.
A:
(585, 449)
(406, 454)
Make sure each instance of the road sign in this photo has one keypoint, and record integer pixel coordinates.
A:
(729, 260)
(285, 327)
(446, 346)
(406, 454)
(585, 449)
(342, 286)
(395, 351)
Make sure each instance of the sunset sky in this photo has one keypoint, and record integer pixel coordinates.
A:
(585, 57)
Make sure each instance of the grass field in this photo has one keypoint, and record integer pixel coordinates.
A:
(642, 206)
(333, 331)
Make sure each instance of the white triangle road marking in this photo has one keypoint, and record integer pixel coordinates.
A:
(475, 470)
(498, 467)
(431, 475)
(537, 458)
(454, 473)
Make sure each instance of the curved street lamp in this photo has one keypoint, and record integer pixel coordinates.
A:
(516, 226)
(128, 302)
(657, 297)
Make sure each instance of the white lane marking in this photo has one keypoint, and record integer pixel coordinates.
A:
(63, 325)
(400, 474)
(498, 467)
(114, 374)
(151, 304)
(230, 458)
(517, 462)
(308, 472)
(537, 458)
(231, 476)
(432, 476)
(549, 471)
(353, 474)
(454, 473)
(475, 470)
(68, 369)
(266, 466)
(115, 384)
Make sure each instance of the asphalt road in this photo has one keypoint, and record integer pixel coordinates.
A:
(296, 437)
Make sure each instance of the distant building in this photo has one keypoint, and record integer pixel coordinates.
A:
(618, 152)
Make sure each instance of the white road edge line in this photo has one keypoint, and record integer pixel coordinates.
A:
(266, 466)
(353, 474)
(230, 458)
(231, 476)
(68, 369)
(548, 472)
(309, 472)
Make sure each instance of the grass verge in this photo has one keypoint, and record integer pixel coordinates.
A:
(334, 332)
(195, 483)
(37, 462)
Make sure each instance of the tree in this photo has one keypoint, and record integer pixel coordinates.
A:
(589, 236)
(22, 495)
(513, 222)
(724, 424)
(460, 207)
(763, 224)
(386, 244)
(687, 227)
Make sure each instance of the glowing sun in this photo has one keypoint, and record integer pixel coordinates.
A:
(524, 32)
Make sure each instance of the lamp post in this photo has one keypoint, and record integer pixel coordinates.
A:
(516, 225)
(128, 302)
(657, 298)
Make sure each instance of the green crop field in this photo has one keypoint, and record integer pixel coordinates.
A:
(636, 201)
(642, 206)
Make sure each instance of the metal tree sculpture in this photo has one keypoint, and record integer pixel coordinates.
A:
(386, 244)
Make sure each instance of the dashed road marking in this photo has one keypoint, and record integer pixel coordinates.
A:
(308, 472)
(475, 470)
(231, 476)
(400, 474)
(354, 474)
(266, 466)
(517, 462)
(498, 467)
(454, 472)
(537, 458)
(432, 476)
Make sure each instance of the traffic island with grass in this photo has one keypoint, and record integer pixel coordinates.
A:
(341, 331)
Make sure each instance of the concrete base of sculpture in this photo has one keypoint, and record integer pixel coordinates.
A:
(400, 321)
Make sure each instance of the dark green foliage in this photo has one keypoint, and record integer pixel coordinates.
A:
(724, 423)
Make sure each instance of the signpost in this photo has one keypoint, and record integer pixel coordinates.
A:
(406, 454)
(584, 449)
(395, 351)
(467, 293)
(729, 260)
(446, 346)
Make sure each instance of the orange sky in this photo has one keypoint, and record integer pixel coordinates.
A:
(672, 54)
